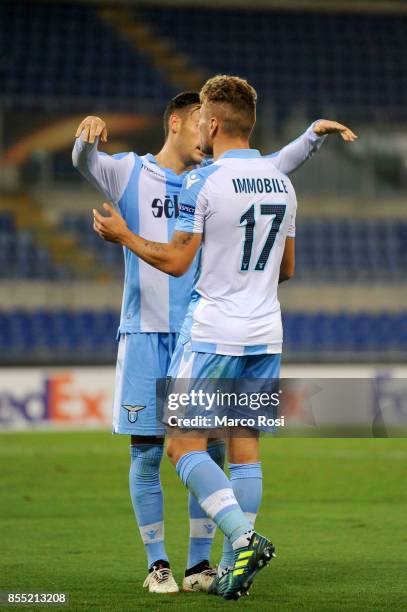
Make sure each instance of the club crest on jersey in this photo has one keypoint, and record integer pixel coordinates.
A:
(192, 179)
(132, 412)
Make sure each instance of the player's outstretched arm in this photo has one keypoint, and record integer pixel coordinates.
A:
(293, 155)
(108, 174)
(173, 258)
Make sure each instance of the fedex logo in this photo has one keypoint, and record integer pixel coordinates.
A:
(59, 398)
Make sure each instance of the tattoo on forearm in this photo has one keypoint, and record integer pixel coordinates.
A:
(158, 252)
(182, 240)
(158, 247)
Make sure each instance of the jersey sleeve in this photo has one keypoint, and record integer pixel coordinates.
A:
(193, 204)
(293, 155)
(109, 174)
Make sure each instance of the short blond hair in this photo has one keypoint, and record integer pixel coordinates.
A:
(234, 100)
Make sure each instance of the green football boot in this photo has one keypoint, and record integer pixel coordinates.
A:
(248, 561)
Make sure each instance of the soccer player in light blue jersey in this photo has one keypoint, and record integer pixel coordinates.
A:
(146, 190)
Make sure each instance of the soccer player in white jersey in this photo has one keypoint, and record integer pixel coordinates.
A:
(146, 191)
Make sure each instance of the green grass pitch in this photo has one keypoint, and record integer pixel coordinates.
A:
(335, 508)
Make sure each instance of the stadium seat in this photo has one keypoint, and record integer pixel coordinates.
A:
(90, 335)
(68, 335)
(345, 333)
(328, 250)
(312, 60)
(67, 71)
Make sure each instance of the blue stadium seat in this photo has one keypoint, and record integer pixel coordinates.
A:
(345, 62)
(328, 250)
(53, 66)
(339, 250)
(310, 59)
(61, 334)
(320, 333)
(90, 335)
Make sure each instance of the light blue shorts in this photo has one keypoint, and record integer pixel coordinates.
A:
(142, 358)
(230, 375)
(186, 363)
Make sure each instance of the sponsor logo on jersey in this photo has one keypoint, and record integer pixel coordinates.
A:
(152, 171)
(188, 210)
(167, 207)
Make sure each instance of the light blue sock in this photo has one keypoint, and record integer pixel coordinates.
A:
(214, 493)
(147, 498)
(247, 481)
(201, 528)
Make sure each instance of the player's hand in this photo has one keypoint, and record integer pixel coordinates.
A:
(112, 228)
(90, 128)
(324, 126)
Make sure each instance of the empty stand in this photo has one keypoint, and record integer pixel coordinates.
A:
(66, 335)
(21, 257)
(352, 64)
(333, 250)
(80, 336)
(80, 226)
(345, 333)
(66, 58)
(343, 250)
(69, 58)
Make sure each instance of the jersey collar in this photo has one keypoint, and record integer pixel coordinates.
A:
(241, 153)
(151, 158)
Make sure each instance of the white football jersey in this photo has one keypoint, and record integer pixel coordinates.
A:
(245, 208)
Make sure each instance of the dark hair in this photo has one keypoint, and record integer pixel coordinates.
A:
(235, 100)
(181, 101)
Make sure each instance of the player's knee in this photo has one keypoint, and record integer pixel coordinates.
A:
(244, 449)
(173, 453)
(176, 449)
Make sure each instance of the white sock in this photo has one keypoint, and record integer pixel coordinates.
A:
(223, 570)
(243, 540)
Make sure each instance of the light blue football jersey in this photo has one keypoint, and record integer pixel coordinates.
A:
(148, 198)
